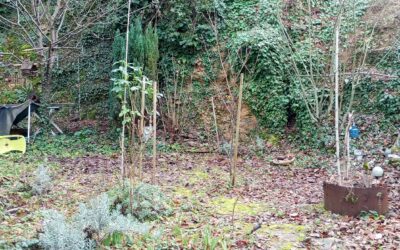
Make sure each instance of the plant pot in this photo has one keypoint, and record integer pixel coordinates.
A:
(351, 201)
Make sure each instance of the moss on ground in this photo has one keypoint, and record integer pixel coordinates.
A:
(225, 206)
(198, 176)
(281, 236)
(183, 192)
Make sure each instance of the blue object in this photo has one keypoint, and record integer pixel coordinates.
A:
(354, 132)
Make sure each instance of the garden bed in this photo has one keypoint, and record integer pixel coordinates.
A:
(352, 201)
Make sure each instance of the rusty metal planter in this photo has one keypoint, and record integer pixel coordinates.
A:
(351, 201)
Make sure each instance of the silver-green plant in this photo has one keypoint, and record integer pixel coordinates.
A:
(92, 223)
(98, 217)
(58, 234)
(42, 182)
(226, 148)
(260, 144)
(149, 202)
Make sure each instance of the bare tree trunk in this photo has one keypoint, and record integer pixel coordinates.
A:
(215, 121)
(235, 152)
(46, 86)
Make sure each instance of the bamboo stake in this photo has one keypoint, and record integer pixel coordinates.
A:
(337, 31)
(125, 94)
(215, 121)
(235, 152)
(142, 128)
(154, 131)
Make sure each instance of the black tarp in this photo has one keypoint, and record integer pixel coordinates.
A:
(13, 114)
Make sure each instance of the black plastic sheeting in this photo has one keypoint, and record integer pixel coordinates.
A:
(13, 114)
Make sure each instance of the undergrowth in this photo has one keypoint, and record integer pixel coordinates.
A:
(88, 227)
(148, 203)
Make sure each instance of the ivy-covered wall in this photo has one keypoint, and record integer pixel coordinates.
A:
(287, 46)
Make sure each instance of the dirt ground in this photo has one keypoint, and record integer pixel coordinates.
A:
(272, 207)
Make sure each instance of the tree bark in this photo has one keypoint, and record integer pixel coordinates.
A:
(236, 143)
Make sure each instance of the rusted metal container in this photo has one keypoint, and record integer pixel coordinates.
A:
(351, 201)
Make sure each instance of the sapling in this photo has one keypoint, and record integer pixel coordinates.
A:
(336, 69)
(236, 143)
(124, 103)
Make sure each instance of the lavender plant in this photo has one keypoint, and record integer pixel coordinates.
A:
(92, 223)
(42, 181)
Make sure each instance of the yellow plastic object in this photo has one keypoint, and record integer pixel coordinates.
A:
(9, 143)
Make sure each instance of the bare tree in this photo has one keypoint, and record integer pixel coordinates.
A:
(50, 26)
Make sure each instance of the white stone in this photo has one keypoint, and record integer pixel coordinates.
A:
(377, 171)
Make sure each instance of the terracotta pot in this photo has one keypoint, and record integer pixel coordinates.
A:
(351, 201)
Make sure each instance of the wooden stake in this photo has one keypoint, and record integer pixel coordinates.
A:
(125, 94)
(215, 121)
(154, 131)
(235, 152)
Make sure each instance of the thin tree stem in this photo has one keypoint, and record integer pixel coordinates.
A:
(337, 33)
(154, 132)
(235, 152)
(125, 93)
